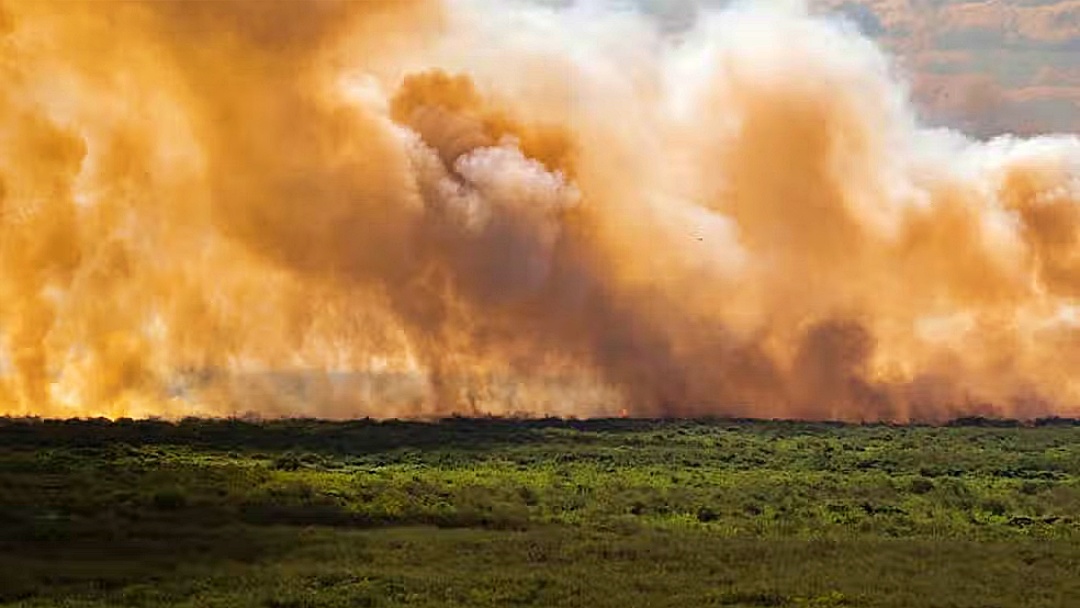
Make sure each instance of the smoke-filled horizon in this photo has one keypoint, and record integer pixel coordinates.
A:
(425, 207)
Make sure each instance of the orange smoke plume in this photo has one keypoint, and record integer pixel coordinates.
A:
(422, 207)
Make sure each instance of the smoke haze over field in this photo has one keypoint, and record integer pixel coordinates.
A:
(425, 207)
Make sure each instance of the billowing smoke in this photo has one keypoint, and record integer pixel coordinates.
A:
(424, 207)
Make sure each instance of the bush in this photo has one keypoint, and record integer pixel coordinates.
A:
(706, 515)
(994, 506)
(921, 485)
(1031, 487)
(742, 598)
(169, 500)
(287, 462)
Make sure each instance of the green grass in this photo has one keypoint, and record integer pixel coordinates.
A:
(538, 513)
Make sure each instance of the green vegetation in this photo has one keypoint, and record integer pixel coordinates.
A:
(499, 512)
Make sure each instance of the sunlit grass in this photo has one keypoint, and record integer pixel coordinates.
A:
(542, 513)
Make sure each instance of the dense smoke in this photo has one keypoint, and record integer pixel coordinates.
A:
(417, 208)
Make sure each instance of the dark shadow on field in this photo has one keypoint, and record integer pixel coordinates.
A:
(66, 559)
(369, 436)
(365, 436)
(555, 566)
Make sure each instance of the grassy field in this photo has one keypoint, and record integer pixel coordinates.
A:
(538, 513)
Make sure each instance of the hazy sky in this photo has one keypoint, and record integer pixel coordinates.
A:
(984, 66)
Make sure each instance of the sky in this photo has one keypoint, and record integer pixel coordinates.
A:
(985, 67)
